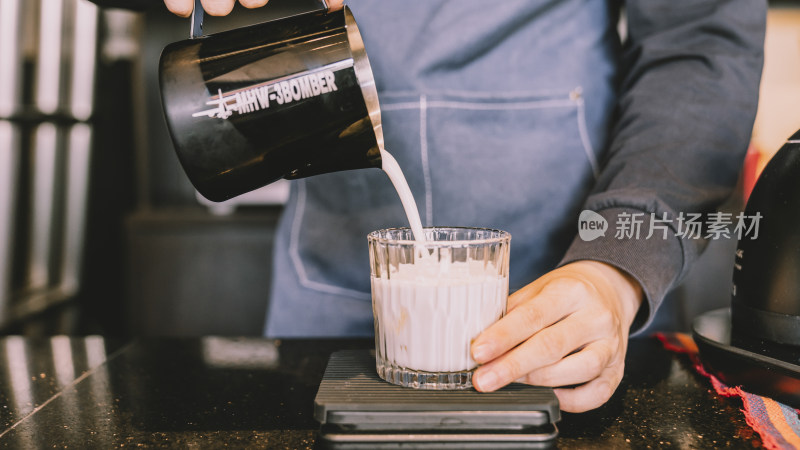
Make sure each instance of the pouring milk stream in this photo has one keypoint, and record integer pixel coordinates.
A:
(392, 169)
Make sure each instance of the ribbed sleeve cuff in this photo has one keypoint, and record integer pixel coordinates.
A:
(654, 261)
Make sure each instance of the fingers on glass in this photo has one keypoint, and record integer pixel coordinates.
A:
(577, 368)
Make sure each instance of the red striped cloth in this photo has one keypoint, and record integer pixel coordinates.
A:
(776, 423)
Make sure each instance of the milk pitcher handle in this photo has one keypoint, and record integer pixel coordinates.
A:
(198, 15)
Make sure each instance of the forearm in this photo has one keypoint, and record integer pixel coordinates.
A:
(685, 112)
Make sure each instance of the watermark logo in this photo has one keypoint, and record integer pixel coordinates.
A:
(591, 225)
(712, 226)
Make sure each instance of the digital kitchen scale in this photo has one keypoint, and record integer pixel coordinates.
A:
(359, 410)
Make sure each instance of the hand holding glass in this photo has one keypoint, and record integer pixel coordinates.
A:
(431, 299)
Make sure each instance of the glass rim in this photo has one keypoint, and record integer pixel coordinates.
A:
(375, 236)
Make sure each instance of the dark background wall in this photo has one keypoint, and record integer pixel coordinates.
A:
(158, 262)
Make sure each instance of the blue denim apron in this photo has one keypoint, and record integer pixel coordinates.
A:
(497, 113)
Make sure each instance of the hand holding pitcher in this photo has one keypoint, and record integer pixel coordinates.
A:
(223, 7)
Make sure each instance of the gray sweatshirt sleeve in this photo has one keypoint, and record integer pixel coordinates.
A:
(687, 102)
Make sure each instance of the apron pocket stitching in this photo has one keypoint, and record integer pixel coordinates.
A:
(423, 105)
(501, 106)
(297, 260)
(400, 106)
(483, 95)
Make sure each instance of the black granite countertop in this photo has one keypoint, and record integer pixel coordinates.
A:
(212, 392)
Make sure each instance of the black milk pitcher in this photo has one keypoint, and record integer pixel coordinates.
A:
(288, 98)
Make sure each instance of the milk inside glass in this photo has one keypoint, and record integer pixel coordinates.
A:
(428, 318)
(430, 305)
